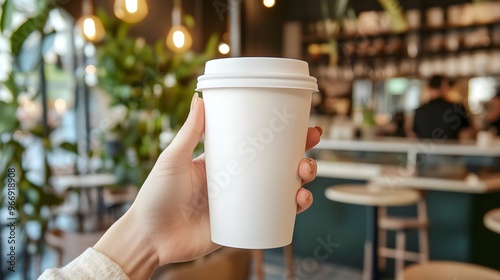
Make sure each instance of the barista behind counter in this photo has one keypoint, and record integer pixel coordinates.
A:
(492, 117)
(440, 119)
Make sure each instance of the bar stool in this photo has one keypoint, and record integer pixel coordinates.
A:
(401, 226)
(258, 260)
(439, 270)
(373, 197)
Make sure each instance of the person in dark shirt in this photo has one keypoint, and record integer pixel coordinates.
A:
(439, 119)
(492, 117)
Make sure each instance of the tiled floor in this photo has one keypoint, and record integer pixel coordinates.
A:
(305, 269)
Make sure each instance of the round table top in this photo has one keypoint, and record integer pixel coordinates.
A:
(439, 270)
(372, 195)
(492, 220)
(63, 182)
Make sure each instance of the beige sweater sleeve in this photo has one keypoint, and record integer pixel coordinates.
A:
(91, 265)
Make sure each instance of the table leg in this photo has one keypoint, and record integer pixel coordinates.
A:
(100, 208)
(372, 229)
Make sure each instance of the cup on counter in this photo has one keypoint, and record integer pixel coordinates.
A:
(256, 119)
(484, 138)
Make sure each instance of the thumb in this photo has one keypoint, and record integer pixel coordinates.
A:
(191, 131)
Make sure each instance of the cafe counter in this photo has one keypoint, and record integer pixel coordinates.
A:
(461, 181)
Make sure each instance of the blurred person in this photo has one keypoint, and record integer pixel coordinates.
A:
(154, 231)
(440, 119)
(492, 117)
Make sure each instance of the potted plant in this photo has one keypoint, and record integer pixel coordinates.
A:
(153, 86)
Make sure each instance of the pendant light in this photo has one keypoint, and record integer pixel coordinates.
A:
(90, 25)
(131, 11)
(178, 39)
(269, 3)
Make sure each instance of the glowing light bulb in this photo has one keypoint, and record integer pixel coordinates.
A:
(131, 11)
(131, 6)
(60, 106)
(269, 3)
(224, 48)
(179, 39)
(92, 28)
(89, 27)
(90, 69)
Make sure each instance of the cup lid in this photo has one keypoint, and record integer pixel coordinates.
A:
(265, 72)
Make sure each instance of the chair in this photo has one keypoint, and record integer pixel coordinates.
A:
(118, 201)
(258, 261)
(401, 226)
(439, 270)
(69, 245)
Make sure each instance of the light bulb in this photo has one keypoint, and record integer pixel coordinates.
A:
(92, 28)
(269, 3)
(60, 106)
(224, 48)
(179, 39)
(131, 11)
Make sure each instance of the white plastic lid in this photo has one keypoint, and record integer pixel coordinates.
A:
(257, 72)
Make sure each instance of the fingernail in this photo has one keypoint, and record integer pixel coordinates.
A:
(319, 129)
(311, 164)
(309, 195)
(194, 100)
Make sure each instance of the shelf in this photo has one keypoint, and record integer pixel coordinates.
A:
(424, 29)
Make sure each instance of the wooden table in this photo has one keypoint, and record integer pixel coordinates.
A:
(65, 182)
(372, 197)
(85, 182)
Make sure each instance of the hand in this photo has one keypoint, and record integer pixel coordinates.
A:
(169, 221)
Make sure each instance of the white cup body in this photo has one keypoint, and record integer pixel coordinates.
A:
(256, 118)
(254, 141)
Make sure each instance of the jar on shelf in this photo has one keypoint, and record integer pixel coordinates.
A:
(413, 19)
(452, 41)
(495, 35)
(435, 17)
(412, 45)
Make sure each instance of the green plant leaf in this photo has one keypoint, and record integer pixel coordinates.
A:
(7, 10)
(10, 83)
(189, 21)
(27, 28)
(9, 121)
(106, 20)
(121, 34)
(71, 147)
(50, 199)
(6, 154)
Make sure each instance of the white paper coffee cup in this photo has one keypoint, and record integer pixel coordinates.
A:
(256, 118)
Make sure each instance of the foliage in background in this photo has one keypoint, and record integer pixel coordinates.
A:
(333, 18)
(155, 86)
(32, 197)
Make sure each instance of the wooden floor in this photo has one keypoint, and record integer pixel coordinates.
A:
(306, 269)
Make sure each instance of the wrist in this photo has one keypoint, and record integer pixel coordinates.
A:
(130, 248)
